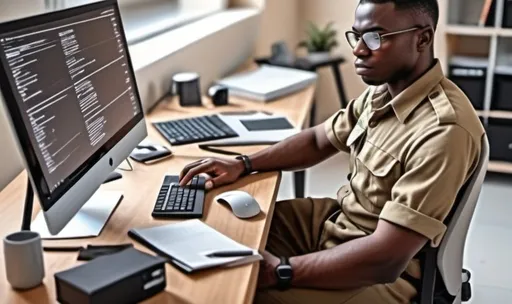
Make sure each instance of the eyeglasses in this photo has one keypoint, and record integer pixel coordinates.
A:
(373, 40)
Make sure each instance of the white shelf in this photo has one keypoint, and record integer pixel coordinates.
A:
(473, 30)
(499, 166)
(504, 32)
(468, 30)
(495, 114)
(463, 37)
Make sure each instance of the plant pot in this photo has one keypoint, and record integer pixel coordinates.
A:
(319, 56)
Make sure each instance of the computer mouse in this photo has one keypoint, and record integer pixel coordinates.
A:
(242, 203)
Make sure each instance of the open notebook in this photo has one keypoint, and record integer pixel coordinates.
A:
(188, 245)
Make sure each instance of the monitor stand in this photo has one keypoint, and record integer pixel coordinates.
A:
(87, 222)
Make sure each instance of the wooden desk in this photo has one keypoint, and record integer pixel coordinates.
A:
(140, 188)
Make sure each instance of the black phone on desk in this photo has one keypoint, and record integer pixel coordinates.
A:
(147, 152)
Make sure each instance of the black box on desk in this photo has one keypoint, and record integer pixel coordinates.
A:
(502, 89)
(470, 74)
(499, 132)
(129, 276)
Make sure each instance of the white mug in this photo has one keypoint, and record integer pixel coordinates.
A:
(24, 265)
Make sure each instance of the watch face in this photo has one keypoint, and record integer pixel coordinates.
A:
(284, 271)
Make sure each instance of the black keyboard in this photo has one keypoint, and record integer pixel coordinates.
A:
(180, 202)
(195, 129)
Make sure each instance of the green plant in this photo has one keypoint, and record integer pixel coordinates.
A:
(320, 40)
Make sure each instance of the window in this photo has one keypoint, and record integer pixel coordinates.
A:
(147, 18)
(142, 19)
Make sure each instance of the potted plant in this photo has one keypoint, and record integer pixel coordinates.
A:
(319, 42)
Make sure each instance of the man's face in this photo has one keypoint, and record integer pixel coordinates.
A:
(397, 55)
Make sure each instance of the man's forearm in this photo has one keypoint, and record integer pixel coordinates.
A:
(298, 152)
(354, 264)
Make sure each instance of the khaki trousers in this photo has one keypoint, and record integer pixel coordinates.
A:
(296, 229)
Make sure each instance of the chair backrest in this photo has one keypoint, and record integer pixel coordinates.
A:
(451, 251)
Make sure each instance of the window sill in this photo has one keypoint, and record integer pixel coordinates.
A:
(149, 51)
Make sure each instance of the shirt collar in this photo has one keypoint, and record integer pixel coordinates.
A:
(405, 102)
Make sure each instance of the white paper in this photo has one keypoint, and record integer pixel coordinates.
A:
(88, 222)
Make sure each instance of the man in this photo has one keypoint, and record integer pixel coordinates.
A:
(414, 140)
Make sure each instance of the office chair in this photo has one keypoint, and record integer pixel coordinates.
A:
(444, 281)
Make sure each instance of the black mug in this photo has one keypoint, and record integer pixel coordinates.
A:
(188, 89)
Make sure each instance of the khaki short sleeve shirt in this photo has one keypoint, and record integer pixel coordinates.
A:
(409, 157)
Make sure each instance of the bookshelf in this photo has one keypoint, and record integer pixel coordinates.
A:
(463, 35)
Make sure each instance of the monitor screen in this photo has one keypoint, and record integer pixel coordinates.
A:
(73, 85)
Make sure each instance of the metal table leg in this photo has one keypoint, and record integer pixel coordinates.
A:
(339, 85)
(300, 183)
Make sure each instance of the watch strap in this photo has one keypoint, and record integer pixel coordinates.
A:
(247, 164)
(284, 261)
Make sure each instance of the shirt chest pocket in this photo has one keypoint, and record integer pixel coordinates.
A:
(377, 172)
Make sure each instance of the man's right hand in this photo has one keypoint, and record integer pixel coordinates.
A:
(220, 171)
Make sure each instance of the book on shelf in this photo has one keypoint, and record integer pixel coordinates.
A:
(488, 13)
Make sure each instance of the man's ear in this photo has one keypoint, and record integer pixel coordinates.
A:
(426, 39)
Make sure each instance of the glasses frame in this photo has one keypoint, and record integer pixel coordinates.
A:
(347, 33)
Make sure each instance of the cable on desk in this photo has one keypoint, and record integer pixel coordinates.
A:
(129, 164)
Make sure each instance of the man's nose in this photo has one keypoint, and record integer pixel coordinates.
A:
(361, 50)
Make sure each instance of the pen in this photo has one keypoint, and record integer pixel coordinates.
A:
(62, 249)
(230, 254)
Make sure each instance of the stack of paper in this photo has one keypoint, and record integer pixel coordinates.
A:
(190, 244)
(268, 82)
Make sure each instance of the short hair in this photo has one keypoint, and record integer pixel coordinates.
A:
(429, 8)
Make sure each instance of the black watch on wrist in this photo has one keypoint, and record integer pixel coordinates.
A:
(247, 164)
(284, 274)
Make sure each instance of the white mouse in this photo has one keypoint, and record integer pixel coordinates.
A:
(242, 203)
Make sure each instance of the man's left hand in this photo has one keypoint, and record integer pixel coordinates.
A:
(267, 276)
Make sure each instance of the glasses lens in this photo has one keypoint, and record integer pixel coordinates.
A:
(372, 40)
(353, 39)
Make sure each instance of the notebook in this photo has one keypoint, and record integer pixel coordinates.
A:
(268, 82)
(188, 245)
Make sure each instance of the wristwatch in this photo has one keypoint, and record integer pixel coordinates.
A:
(284, 273)
(247, 164)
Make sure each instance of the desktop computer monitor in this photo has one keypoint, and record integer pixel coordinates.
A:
(70, 93)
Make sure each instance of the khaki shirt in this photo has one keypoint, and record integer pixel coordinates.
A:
(409, 157)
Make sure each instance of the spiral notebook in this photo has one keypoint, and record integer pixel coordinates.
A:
(188, 245)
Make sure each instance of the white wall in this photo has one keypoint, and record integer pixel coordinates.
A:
(280, 21)
(342, 14)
